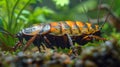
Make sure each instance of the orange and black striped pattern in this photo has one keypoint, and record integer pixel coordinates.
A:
(72, 28)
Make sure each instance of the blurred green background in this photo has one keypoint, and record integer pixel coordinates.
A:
(15, 15)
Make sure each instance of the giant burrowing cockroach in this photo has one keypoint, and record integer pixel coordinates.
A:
(60, 34)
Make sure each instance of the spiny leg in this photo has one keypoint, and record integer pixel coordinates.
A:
(38, 45)
(99, 38)
(71, 44)
(42, 44)
(16, 46)
(48, 42)
(29, 42)
(89, 37)
(39, 48)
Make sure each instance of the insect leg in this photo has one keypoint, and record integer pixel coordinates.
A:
(48, 42)
(70, 40)
(42, 44)
(99, 38)
(93, 36)
(39, 48)
(17, 45)
(38, 44)
(29, 42)
(71, 44)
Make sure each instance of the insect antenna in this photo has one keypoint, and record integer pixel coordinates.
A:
(98, 12)
(85, 11)
(100, 28)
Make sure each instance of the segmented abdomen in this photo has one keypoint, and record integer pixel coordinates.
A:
(72, 28)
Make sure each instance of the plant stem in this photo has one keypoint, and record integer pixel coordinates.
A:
(12, 14)
(8, 11)
(21, 11)
(4, 23)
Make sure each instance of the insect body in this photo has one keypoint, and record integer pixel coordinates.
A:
(60, 34)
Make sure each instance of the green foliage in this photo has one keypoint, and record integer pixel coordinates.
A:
(39, 14)
(61, 2)
(77, 12)
(116, 7)
(12, 19)
(116, 36)
(86, 6)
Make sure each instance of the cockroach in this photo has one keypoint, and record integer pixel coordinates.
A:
(60, 34)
